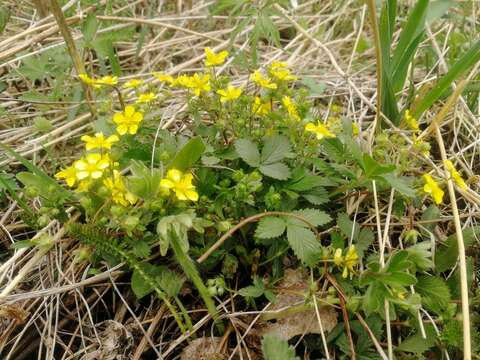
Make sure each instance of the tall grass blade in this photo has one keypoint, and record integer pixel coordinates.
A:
(470, 58)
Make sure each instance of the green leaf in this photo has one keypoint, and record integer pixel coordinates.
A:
(304, 243)
(277, 171)
(140, 286)
(397, 278)
(270, 227)
(188, 155)
(421, 255)
(373, 169)
(447, 254)
(435, 293)
(373, 300)
(411, 30)
(365, 239)
(399, 183)
(417, 344)
(274, 149)
(169, 281)
(251, 291)
(470, 58)
(37, 171)
(347, 226)
(437, 9)
(398, 261)
(275, 348)
(144, 182)
(316, 87)
(4, 17)
(248, 152)
(313, 216)
(89, 28)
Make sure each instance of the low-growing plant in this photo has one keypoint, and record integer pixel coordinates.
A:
(256, 178)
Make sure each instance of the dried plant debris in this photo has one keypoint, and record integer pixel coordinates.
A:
(294, 318)
(115, 342)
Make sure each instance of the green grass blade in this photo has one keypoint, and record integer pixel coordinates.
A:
(413, 28)
(386, 27)
(400, 72)
(470, 58)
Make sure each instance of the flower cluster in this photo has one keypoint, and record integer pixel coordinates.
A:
(346, 262)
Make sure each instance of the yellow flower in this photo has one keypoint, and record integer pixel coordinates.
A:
(92, 166)
(107, 80)
(128, 120)
(411, 121)
(456, 176)
(265, 82)
(229, 94)
(212, 59)
(278, 65)
(279, 71)
(181, 184)
(146, 98)
(98, 141)
(347, 262)
(283, 75)
(164, 78)
(83, 185)
(183, 80)
(337, 257)
(261, 108)
(119, 193)
(355, 130)
(291, 108)
(200, 83)
(69, 174)
(431, 187)
(133, 84)
(320, 130)
(86, 79)
(351, 259)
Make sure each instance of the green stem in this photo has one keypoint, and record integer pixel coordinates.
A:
(378, 54)
(191, 271)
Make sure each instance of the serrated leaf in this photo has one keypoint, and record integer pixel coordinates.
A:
(275, 348)
(435, 292)
(248, 152)
(303, 243)
(274, 149)
(313, 216)
(365, 239)
(270, 227)
(277, 171)
(318, 196)
(140, 286)
(421, 255)
(417, 344)
(347, 226)
(398, 278)
(399, 183)
(447, 254)
(170, 282)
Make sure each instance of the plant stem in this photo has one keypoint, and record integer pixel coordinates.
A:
(191, 271)
(467, 355)
(72, 49)
(378, 55)
(244, 222)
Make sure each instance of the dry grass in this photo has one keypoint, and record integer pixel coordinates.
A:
(49, 307)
